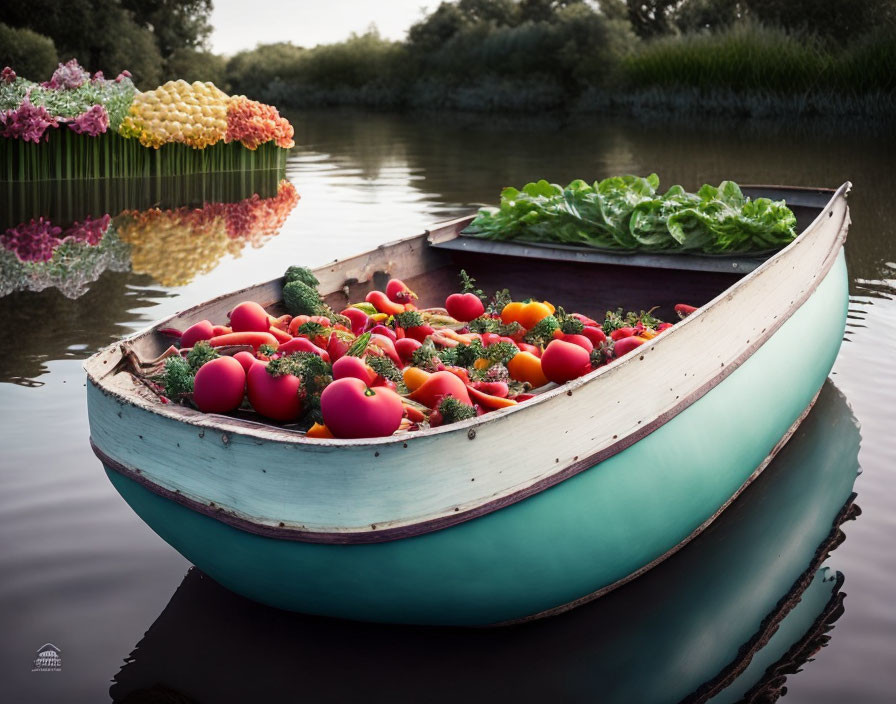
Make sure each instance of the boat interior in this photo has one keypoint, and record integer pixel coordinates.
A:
(581, 281)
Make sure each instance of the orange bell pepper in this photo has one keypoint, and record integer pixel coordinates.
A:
(525, 366)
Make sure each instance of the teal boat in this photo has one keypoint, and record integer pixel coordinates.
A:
(521, 513)
(724, 620)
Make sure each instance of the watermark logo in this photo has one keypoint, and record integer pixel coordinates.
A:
(49, 659)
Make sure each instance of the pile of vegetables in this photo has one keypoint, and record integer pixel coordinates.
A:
(80, 126)
(384, 365)
(172, 245)
(629, 213)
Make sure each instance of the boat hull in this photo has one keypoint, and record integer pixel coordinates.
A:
(559, 547)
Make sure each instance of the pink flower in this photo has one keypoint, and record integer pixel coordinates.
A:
(68, 75)
(7, 75)
(121, 76)
(32, 242)
(28, 122)
(93, 121)
(97, 77)
(90, 230)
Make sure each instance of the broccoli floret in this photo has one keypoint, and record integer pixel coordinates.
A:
(498, 353)
(613, 321)
(568, 324)
(386, 368)
(300, 273)
(178, 378)
(408, 319)
(602, 354)
(485, 323)
(426, 357)
(311, 369)
(301, 299)
(453, 410)
(543, 331)
(201, 353)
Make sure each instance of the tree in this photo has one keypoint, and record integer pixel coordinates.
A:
(652, 18)
(30, 54)
(175, 24)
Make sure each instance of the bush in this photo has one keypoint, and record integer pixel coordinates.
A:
(28, 53)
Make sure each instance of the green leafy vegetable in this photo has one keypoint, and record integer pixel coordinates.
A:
(628, 213)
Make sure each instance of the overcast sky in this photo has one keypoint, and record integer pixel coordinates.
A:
(242, 24)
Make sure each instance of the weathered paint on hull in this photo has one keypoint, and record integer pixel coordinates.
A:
(558, 546)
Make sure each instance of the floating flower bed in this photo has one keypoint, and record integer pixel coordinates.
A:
(80, 126)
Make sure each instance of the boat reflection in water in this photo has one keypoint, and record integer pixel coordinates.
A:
(725, 619)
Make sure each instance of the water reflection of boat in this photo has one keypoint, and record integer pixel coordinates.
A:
(172, 230)
(726, 616)
(519, 513)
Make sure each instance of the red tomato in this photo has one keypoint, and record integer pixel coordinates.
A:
(439, 385)
(595, 334)
(203, 330)
(406, 348)
(419, 332)
(246, 359)
(351, 409)
(620, 333)
(397, 291)
(337, 346)
(562, 361)
(249, 317)
(464, 306)
(354, 367)
(276, 397)
(531, 349)
(579, 340)
(627, 344)
(219, 386)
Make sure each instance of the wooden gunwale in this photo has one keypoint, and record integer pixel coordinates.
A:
(262, 431)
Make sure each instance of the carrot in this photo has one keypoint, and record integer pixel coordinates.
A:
(255, 339)
(414, 377)
(489, 401)
(280, 334)
(319, 430)
(415, 415)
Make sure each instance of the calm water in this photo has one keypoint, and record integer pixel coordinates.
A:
(78, 569)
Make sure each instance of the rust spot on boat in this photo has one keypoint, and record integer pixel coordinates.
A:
(569, 393)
